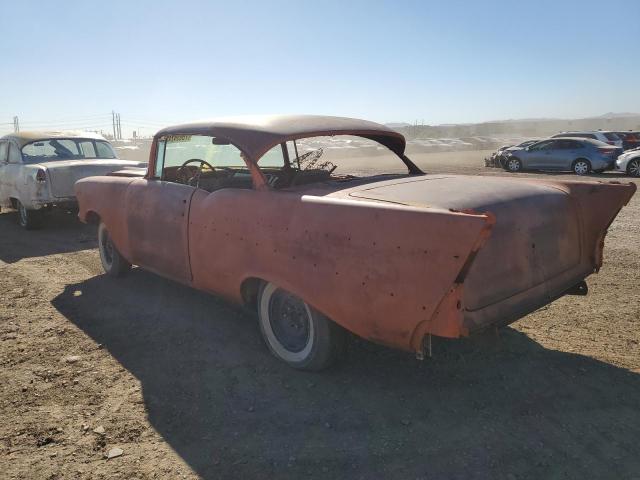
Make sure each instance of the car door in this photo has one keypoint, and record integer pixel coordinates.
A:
(556, 155)
(536, 154)
(157, 215)
(568, 151)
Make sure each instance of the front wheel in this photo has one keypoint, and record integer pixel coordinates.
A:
(581, 166)
(633, 167)
(113, 262)
(296, 333)
(28, 219)
(513, 164)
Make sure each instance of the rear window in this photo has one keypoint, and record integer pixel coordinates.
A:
(611, 136)
(576, 135)
(54, 149)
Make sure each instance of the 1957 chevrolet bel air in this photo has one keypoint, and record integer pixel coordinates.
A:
(229, 207)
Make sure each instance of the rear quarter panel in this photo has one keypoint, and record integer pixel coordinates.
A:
(104, 198)
(377, 269)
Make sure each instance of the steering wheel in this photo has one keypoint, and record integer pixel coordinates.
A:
(181, 175)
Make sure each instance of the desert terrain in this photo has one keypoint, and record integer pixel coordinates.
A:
(181, 386)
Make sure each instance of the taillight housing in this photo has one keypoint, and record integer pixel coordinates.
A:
(606, 151)
(610, 142)
(41, 176)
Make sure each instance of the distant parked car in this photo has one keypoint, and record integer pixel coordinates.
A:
(629, 162)
(580, 155)
(39, 169)
(497, 158)
(630, 140)
(610, 138)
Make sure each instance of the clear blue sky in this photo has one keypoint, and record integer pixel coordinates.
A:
(437, 61)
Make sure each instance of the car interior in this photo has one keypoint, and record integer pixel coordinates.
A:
(215, 164)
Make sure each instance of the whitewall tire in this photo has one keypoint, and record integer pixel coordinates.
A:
(297, 333)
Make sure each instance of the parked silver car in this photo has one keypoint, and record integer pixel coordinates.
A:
(38, 170)
(629, 162)
(580, 155)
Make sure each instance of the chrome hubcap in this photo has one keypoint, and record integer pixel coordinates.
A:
(514, 165)
(634, 168)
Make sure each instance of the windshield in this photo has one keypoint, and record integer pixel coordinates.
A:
(55, 149)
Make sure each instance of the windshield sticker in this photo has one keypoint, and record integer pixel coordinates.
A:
(178, 138)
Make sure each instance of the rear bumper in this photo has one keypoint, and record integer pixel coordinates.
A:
(62, 203)
(513, 308)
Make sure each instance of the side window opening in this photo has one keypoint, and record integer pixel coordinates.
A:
(4, 152)
(87, 149)
(202, 161)
(14, 154)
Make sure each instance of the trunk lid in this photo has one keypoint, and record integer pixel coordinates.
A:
(64, 174)
(536, 236)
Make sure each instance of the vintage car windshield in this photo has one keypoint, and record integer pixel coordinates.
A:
(55, 149)
(182, 148)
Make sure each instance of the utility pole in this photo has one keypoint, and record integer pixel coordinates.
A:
(113, 123)
(16, 124)
(119, 128)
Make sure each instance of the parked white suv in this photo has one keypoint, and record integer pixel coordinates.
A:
(610, 138)
(38, 170)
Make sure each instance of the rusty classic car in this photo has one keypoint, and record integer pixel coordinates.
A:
(234, 208)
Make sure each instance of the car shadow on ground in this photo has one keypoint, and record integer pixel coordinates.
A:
(489, 407)
(60, 233)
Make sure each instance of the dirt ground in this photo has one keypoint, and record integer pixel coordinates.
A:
(181, 382)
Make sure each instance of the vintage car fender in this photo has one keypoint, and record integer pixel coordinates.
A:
(103, 199)
(378, 270)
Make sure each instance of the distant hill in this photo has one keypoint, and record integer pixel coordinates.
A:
(526, 127)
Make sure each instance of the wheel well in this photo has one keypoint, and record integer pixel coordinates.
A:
(92, 218)
(249, 290)
(14, 203)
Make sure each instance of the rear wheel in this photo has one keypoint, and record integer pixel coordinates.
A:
(113, 262)
(296, 333)
(513, 164)
(581, 166)
(28, 219)
(633, 167)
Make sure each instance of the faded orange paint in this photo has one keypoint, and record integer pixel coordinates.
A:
(391, 261)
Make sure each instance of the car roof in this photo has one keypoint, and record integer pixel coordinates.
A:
(256, 135)
(587, 131)
(23, 138)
